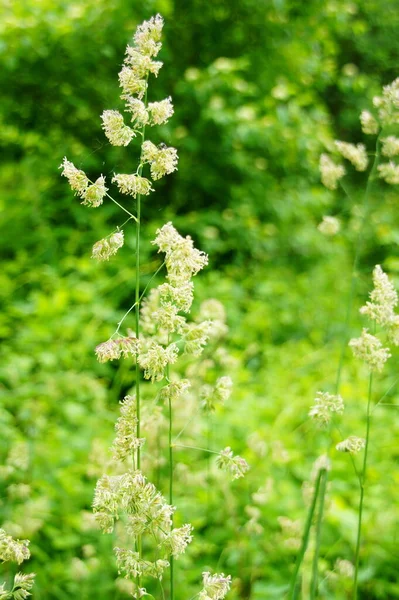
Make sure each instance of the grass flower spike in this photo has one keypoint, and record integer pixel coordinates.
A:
(126, 503)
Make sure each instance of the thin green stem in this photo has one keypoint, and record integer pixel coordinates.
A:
(294, 588)
(171, 559)
(315, 564)
(195, 448)
(122, 207)
(135, 304)
(137, 328)
(380, 401)
(362, 484)
(185, 426)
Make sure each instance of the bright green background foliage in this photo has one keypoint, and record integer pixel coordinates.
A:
(259, 87)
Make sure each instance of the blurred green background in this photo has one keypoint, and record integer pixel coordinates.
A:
(259, 88)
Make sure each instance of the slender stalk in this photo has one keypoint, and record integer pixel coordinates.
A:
(362, 484)
(323, 487)
(137, 327)
(349, 304)
(171, 560)
(195, 448)
(294, 588)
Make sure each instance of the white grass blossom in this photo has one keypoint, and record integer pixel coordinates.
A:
(77, 178)
(183, 261)
(131, 84)
(215, 587)
(162, 159)
(137, 108)
(168, 319)
(356, 154)
(131, 565)
(344, 568)
(388, 104)
(216, 395)
(94, 194)
(181, 296)
(389, 172)
(330, 172)
(115, 129)
(176, 541)
(352, 444)
(148, 35)
(23, 583)
(369, 123)
(132, 185)
(196, 336)
(329, 226)
(324, 405)
(235, 465)
(155, 360)
(160, 112)
(383, 298)
(13, 550)
(133, 495)
(107, 247)
(173, 390)
(114, 349)
(370, 350)
(212, 310)
(126, 440)
(390, 146)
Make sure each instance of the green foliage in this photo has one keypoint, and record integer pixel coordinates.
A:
(259, 90)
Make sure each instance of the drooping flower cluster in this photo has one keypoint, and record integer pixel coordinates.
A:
(92, 193)
(104, 249)
(215, 586)
(383, 298)
(388, 104)
(357, 155)
(390, 146)
(115, 129)
(370, 350)
(380, 308)
(329, 226)
(133, 185)
(216, 395)
(352, 444)
(324, 405)
(183, 261)
(331, 173)
(15, 551)
(114, 349)
(389, 172)
(235, 465)
(126, 441)
(23, 583)
(162, 160)
(368, 122)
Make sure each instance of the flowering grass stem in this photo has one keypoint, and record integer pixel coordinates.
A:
(344, 344)
(137, 328)
(362, 485)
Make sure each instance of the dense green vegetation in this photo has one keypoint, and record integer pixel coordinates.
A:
(260, 89)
